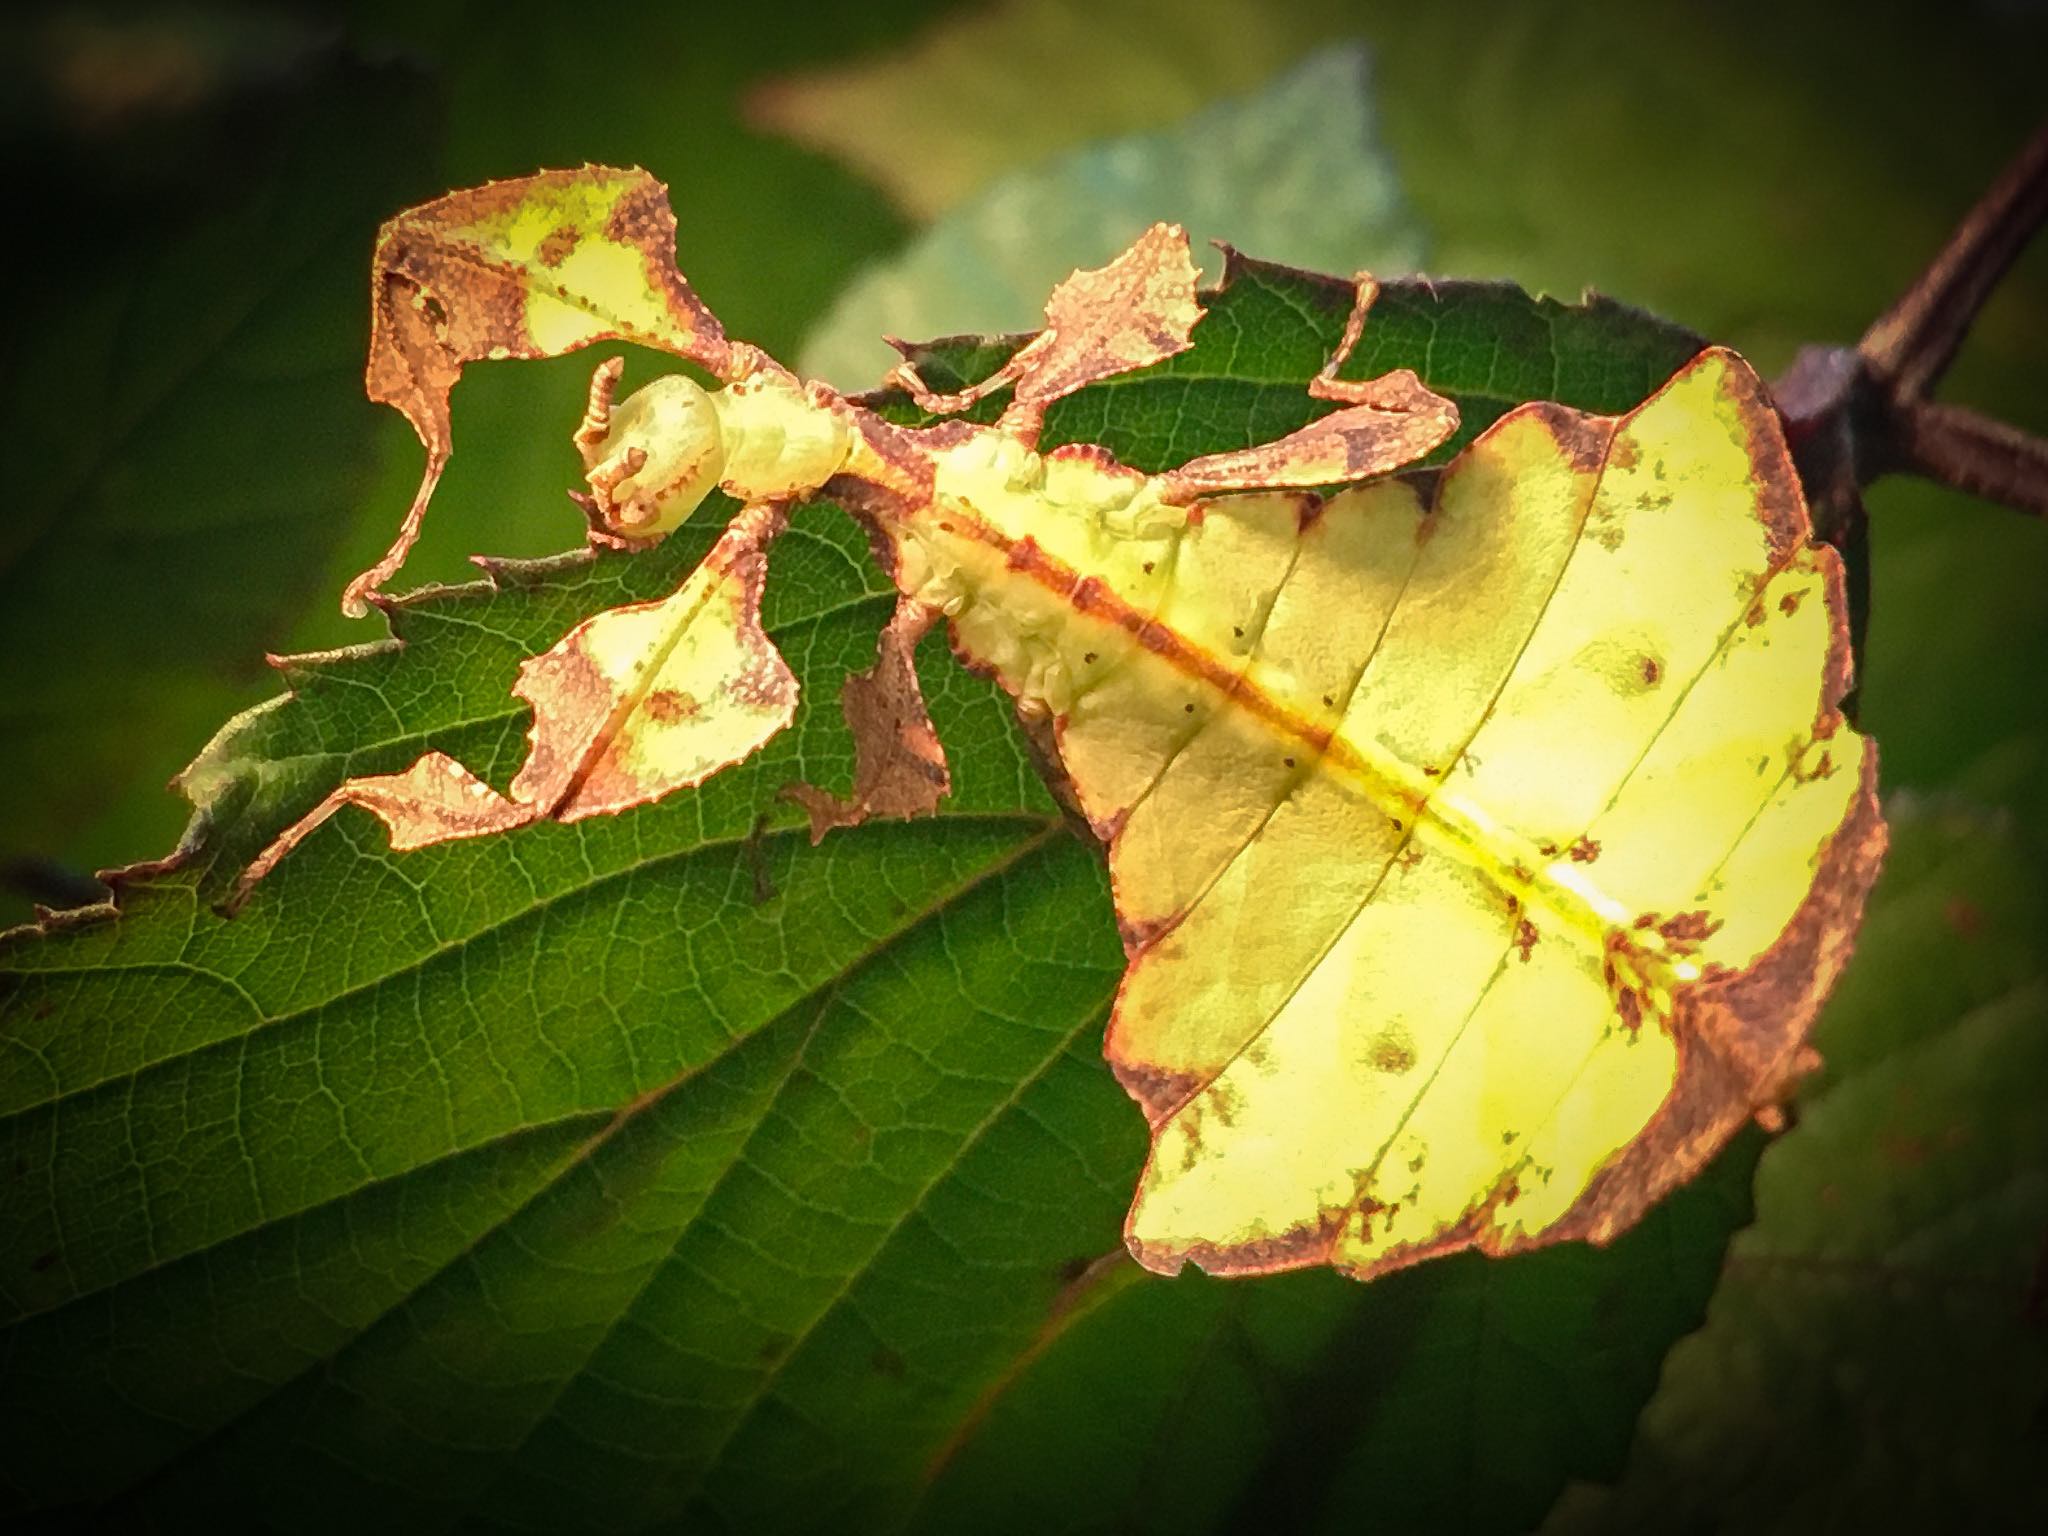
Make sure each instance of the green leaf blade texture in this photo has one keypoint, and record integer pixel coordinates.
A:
(664, 1171)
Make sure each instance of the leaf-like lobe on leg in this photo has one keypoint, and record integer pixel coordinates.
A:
(654, 697)
(531, 267)
(899, 767)
(1137, 310)
(1386, 422)
(1402, 422)
(630, 705)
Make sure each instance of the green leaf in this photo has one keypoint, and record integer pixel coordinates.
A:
(994, 88)
(190, 443)
(662, 1168)
(1293, 171)
(1874, 1359)
(1306, 1402)
(1487, 346)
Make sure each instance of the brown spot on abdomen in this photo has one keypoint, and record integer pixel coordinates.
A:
(1689, 928)
(555, 249)
(1391, 1053)
(667, 706)
(1630, 1009)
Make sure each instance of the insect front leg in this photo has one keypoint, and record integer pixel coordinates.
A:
(1387, 422)
(1137, 310)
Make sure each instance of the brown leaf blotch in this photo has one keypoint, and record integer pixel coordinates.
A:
(1392, 1053)
(899, 766)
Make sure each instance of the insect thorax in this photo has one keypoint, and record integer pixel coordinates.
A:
(672, 442)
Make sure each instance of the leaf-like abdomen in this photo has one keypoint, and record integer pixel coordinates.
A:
(1432, 833)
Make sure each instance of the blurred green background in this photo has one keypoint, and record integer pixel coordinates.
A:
(192, 470)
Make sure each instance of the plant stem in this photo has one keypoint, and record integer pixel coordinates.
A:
(1855, 413)
(1903, 356)
(1971, 452)
(1912, 344)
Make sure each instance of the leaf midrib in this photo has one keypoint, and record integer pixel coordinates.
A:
(910, 922)
(270, 1022)
(620, 1119)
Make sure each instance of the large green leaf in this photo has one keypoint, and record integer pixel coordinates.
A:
(663, 1168)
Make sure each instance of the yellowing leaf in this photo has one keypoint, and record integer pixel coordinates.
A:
(1481, 858)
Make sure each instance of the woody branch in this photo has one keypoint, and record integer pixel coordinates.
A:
(1874, 400)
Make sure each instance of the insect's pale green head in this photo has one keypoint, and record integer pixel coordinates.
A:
(661, 455)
